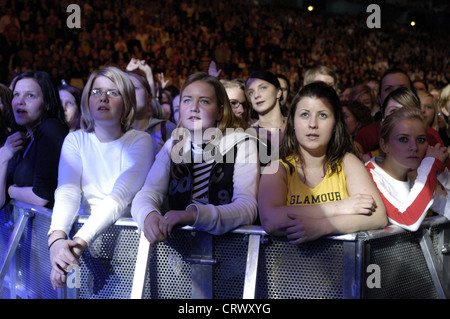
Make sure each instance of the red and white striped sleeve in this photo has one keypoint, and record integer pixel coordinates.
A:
(409, 212)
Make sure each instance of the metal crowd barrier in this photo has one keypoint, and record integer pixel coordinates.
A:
(244, 264)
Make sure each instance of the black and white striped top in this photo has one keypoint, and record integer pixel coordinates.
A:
(203, 163)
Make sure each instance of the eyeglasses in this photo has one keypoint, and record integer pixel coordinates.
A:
(110, 93)
(235, 104)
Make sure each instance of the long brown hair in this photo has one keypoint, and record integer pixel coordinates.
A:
(340, 142)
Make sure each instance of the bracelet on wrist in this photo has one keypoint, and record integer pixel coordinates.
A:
(49, 246)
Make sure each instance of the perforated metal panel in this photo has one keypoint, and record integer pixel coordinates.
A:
(169, 274)
(5, 233)
(6, 225)
(312, 270)
(230, 251)
(34, 260)
(108, 264)
(437, 236)
(326, 268)
(403, 269)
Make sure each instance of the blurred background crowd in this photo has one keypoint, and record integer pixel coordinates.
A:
(181, 37)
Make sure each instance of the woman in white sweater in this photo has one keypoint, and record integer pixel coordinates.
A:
(101, 168)
(207, 173)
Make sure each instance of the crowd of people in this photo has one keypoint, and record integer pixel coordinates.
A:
(154, 114)
(181, 37)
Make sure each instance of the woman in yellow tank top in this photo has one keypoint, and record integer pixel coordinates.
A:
(319, 186)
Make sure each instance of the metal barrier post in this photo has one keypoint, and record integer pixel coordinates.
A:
(140, 270)
(431, 260)
(251, 270)
(202, 262)
(443, 246)
(14, 242)
(354, 261)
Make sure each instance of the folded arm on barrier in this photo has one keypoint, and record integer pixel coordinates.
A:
(253, 229)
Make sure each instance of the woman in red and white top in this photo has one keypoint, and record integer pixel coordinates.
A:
(408, 198)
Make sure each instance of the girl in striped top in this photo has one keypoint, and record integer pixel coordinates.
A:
(207, 174)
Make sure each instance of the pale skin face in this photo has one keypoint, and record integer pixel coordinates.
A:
(237, 100)
(166, 110)
(405, 147)
(27, 103)
(142, 96)
(419, 86)
(345, 94)
(284, 89)
(71, 111)
(351, 124)
(105, 110)
(314, 123)
(325, 78)
(373, 86)
(263, 95)
(366, 100)
(391, 82)
(199, 109)
(427, 106)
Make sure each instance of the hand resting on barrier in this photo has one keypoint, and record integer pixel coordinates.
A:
(301, 228)
(63, 253)
(319, 186)
(159, 228)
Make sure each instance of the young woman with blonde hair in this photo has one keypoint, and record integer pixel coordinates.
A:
(404, 144)
(102, 166)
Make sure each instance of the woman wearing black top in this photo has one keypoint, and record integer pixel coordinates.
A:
(29, 159)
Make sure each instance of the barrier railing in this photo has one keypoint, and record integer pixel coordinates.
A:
(246, 263)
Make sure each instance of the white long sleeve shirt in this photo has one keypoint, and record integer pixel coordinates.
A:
(211, 218)
(102, 178)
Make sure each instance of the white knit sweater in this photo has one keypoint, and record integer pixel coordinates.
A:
(102, 177)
